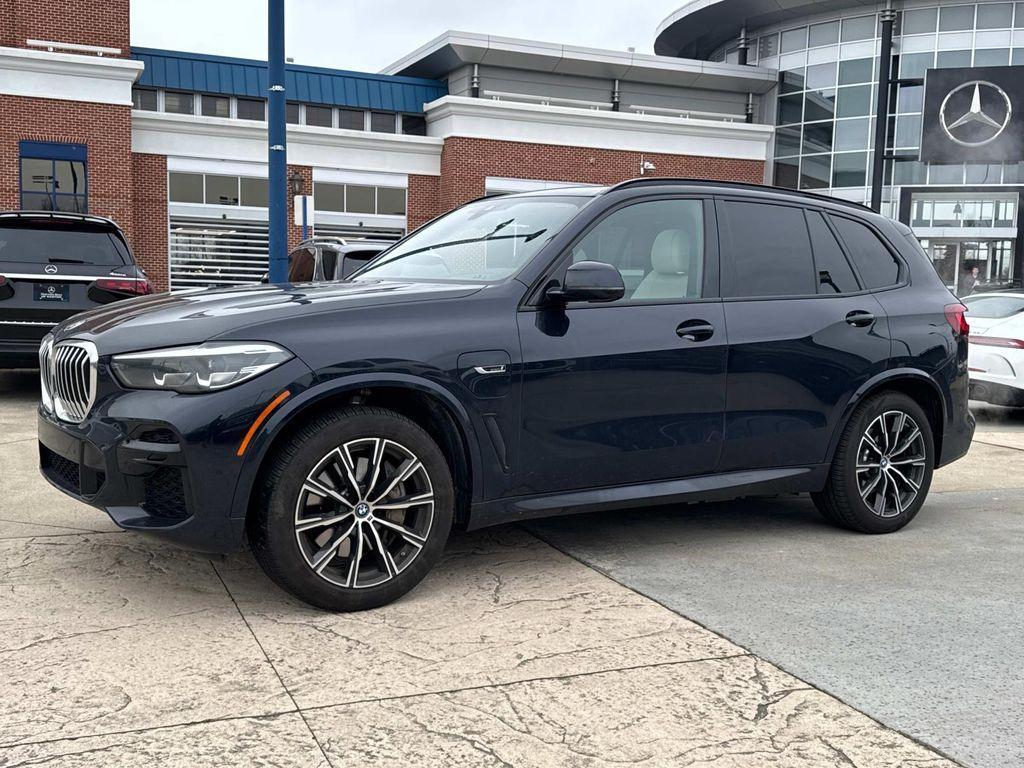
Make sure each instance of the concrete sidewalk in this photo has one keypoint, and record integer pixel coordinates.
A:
(117, 651)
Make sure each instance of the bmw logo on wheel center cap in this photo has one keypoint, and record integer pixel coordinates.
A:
(362, 509)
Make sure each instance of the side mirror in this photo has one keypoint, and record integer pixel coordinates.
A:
(589, 281)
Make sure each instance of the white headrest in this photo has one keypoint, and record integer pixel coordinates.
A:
(671, 251)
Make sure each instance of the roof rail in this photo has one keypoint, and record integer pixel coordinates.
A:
(656, 180)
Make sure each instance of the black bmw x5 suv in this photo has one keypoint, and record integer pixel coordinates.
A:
(528, 355)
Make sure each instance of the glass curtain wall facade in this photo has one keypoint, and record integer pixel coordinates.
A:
(824, 114)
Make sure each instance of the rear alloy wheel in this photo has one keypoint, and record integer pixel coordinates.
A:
(882, 467)
(891, 463)
(355, 510)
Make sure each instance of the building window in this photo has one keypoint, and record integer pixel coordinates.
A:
(360, 198)
(382, 122)
(391, 201)
(253, 192)
(414, 125)
(291, 113)
(185, 188)
(860, 28)
(179, 103)
(251, 109)
(351, 119)
(53, 177)
(215, 106)
(144, 98)
(319, 116)
(217, 189)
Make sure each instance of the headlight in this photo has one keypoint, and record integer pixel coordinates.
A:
(45, 348)
(201, 368)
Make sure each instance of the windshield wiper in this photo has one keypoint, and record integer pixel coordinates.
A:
(492, 235)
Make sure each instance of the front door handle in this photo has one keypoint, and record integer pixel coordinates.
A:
(695, 330)
(860, 319)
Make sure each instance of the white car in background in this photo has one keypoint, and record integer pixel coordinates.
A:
(996, 354)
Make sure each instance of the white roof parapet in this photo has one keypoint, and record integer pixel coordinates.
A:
(453, 49)
(464, 116)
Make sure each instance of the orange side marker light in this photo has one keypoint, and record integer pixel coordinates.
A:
(260, 419)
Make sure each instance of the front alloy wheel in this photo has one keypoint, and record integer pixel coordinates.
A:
(354, 510)
(364, 513)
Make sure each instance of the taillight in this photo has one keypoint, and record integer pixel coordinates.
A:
(140, 287)
(955, 316)
(996, 341)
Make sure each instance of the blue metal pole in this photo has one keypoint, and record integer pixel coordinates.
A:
(305, 219)
(277, 155)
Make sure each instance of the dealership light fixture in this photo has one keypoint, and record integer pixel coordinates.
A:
(296, 182)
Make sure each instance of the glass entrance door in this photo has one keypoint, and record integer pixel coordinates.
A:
(955, 260)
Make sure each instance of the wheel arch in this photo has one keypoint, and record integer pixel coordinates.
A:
(917, 385)
(428, 404)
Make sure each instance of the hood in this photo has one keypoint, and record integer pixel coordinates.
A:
(191, 317)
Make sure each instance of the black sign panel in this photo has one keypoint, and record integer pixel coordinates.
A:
(973, 115)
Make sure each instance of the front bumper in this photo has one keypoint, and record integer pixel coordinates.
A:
(140, 478)
(161, 463)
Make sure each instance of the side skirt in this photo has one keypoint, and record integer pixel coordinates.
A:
(721, 487)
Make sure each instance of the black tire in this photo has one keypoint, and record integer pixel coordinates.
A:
(272, 526)
(842, 503)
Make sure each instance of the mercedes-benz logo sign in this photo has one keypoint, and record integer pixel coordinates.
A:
(975, 113)
(50, 269)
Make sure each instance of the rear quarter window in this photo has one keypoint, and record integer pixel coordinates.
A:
(64, 246)
(876, 264)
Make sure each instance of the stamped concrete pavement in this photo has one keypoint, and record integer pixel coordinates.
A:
(118, 651)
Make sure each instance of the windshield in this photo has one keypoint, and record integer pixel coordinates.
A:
(64, 246)
(994, 306)
(483, 241)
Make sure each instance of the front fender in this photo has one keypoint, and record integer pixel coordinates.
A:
(309, 397)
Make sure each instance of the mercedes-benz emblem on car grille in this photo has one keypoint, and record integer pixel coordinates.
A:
(975, 113)
(50, 269)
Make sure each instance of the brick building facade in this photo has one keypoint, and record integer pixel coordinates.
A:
(174, 161)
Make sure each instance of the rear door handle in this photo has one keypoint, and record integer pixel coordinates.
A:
(695, 330)
(859, 318)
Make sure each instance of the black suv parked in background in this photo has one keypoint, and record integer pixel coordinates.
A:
(521, 356)
(52, 266)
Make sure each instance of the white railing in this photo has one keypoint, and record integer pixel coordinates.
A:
(52, 45)
(547, 100)
(686, 113)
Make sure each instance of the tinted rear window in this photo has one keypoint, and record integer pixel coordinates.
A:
(877, 266)
(994, 306)
(40, 246)
(767, 250)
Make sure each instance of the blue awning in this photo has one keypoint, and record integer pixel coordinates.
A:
(176, 70)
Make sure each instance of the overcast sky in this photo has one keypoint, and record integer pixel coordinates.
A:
(367, 35)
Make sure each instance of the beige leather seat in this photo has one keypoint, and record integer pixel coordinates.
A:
(672, 259)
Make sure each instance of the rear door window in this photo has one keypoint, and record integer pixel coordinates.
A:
(835, 275)
(65, 246)
(877, 266)
(766, 250)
